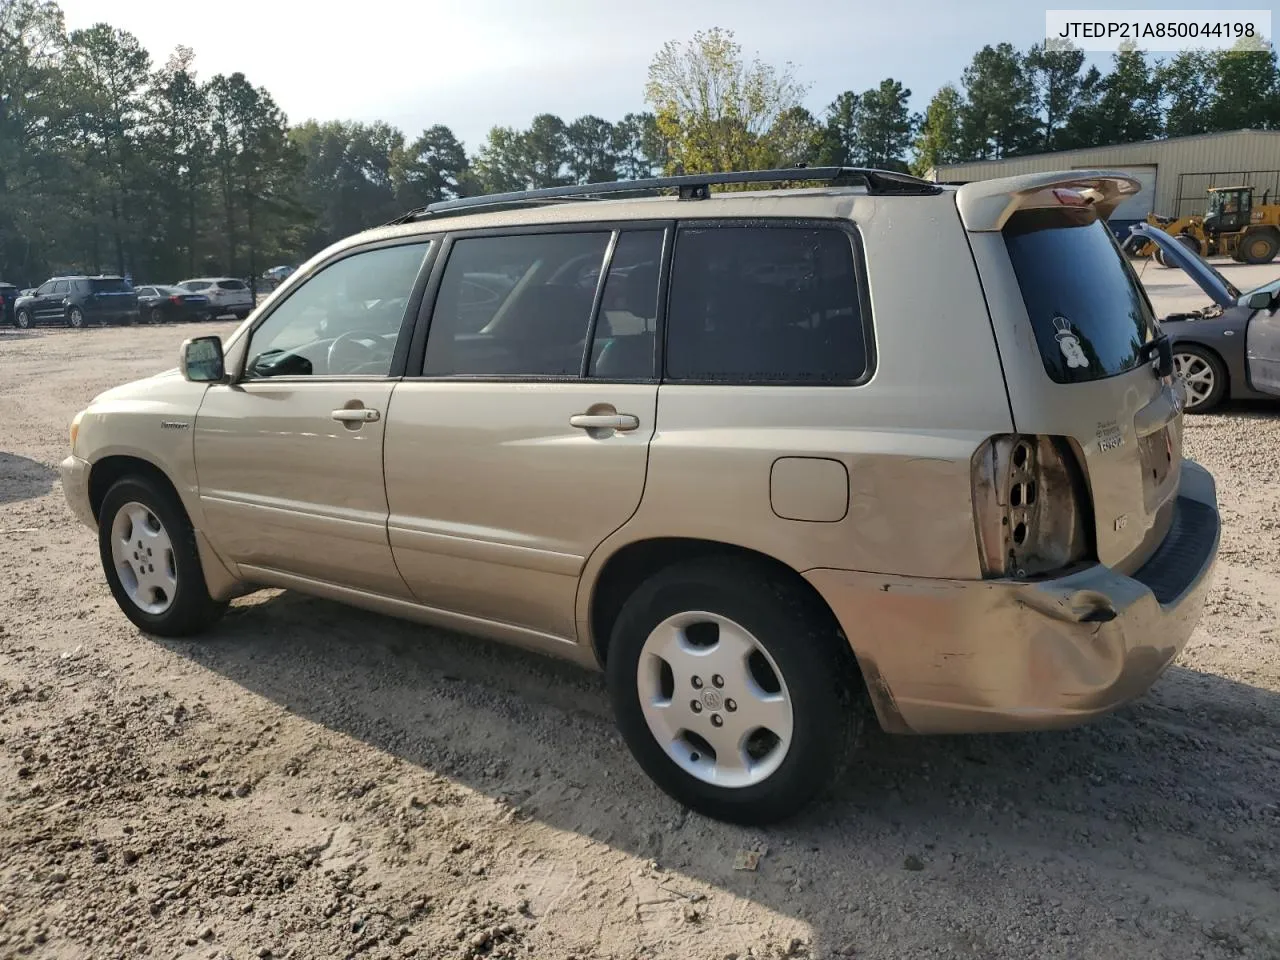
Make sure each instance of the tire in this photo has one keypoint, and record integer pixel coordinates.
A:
(153, 316)
(183, 606)
(1205, 374)
(75, 318)
(1190, 242)
(23, 320)
(1259, 247)
(818, 688)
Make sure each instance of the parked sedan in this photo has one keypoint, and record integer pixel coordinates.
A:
(1229, 349)
(161, 304)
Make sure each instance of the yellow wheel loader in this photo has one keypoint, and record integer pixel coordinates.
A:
(1234, 226)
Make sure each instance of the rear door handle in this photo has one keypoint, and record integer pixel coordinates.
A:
(358, 415)
(604, 421)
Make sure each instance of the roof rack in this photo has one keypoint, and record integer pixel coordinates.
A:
(689, 187)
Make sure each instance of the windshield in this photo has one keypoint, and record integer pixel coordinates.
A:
(1089, 314)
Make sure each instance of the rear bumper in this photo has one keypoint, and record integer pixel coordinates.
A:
(944, 656)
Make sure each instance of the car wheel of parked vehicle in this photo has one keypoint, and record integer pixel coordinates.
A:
(1260, 247)
(149, 555)
(153, 315)
(1205, 377)
(75, 318)
(733, 689)
(23, 320)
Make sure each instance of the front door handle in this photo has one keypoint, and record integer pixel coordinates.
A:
(604, 421)
(355, 415)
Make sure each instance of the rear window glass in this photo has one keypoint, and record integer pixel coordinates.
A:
(765, 304)
(1086, 307)
(108, 286)
(231, 285)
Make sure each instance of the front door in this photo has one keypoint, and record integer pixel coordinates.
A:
(289, 455)
(524, 443)
(1262, 349)
(48, 305)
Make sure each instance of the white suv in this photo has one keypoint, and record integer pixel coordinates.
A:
(227, 294)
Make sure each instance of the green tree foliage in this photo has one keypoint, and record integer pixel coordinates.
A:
(1246, 90)
(1187, 81)
(433, 168)
(998, 119)
(1054, 75)
(939, 139)
(885, 126)
(592, 149)
(1122, 106)
(108, 162)
(714, 109)
(641, 150)
(839, 146)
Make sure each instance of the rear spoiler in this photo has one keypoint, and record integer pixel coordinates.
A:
(986, 205)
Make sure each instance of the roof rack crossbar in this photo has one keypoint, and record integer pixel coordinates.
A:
(689, 187)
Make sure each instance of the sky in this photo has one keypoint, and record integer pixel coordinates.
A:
(475, 64)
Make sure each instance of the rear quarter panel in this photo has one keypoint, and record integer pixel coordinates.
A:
(905, 437)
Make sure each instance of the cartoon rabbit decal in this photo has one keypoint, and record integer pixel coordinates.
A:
(1069, 343)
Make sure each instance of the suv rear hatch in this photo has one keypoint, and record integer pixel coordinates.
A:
(111, 293)
(1082, 353)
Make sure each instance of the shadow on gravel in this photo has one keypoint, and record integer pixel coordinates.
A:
(23, 479)
(1161, 811)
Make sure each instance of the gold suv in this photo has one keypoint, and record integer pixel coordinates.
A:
(763, 455)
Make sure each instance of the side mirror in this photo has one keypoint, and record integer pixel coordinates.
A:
(1260, 301)
(201, 361)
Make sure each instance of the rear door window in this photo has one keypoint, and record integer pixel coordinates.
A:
(1087, 309)
(766, 304)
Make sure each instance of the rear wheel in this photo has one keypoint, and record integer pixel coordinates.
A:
(23, 320)
(75, 318)
(1260, 247)
(149, 556)
(1204, 375)
(731, 688)
(154, 316)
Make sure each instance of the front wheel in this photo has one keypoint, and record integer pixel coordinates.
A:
(1204, 376)
(149, 556)
(75, 318)
(23, 320)
(731, 688)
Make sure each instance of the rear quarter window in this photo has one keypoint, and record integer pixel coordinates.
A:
(772, 303)
(1087, 309)
(231, 285)
(107, 286)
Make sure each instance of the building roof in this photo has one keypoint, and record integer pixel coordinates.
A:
(934, 172)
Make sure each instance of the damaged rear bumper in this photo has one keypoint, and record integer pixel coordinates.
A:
(950, 656)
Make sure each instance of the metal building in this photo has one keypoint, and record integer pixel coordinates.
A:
(1174, 173)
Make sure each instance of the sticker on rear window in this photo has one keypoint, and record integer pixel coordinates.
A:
(1068, 342)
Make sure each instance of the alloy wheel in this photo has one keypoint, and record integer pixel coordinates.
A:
(714, 699)
(143, 557)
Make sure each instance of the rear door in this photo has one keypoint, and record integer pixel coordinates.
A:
(1074, 329)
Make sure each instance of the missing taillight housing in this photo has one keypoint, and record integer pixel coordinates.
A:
(1031, 506)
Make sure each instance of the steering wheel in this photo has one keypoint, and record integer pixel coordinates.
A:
(369, 341)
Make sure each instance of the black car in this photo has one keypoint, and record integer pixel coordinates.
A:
(8, 296)
(164, 304)
(77, 301)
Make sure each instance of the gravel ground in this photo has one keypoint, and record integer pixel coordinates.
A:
(316, 782)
